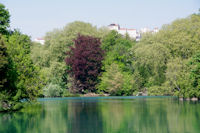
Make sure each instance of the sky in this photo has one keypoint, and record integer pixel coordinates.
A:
(36, 17)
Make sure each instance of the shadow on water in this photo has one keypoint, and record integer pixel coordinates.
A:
(105, 115)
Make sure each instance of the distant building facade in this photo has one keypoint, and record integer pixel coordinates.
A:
(39, 40)
(155, 30)
(144, 30)
(133, 33)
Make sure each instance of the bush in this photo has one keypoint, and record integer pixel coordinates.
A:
(52, 90)
(115, 82)
(158, 91)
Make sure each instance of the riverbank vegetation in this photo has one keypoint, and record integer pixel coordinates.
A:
(164, 63)
(81, 58)
(20, 78)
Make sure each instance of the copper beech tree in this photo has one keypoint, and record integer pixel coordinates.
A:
(84, 61)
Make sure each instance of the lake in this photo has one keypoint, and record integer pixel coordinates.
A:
(106, 115)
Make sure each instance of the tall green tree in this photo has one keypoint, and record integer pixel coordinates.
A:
(117, 65)
(3, 63)
(195, 71)
(150, 62)
(28, 81)
(4, 20)
(114, 81)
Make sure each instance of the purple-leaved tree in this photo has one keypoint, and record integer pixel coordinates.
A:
(84, 60)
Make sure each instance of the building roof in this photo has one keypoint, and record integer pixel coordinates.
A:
(113, 24)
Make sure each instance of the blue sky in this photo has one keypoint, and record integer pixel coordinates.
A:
(36, 17)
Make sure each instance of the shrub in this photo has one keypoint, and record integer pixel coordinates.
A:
(52, 90)
(158, 91)
(115, 82)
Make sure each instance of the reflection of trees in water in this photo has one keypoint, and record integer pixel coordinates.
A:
(84, 117)
(20, 122)
(184, 116)
(47, 119)
(150, 116)
(118, 116)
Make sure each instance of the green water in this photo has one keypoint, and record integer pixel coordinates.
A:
(106, 115)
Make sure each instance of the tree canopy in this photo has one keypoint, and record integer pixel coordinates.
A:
(4, 19)
(84, 60)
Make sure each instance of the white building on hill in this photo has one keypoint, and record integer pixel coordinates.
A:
(114, 27)
(155, 30)
(39, 40)
(145, 30)
(131, 32)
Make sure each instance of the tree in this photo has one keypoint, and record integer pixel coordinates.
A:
(84, 60)
(28, 82)
(51, 56)
(4, 19)
(150, 63)
(161, 60)
(3, 63)
(116, 82)
(119, 53)
(195, 70)
(110, 40)
(117, 65)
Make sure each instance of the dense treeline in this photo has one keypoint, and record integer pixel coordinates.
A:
(165, 63)
(50, 58)
(20, 78)
(80, 58)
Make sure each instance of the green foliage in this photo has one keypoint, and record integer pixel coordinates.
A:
(110, 40)
(162, 60)
(50, 57)
(28, 82)
(182, 37)
(120, 54)
(117, 64)
(7, 78)
(186, 79)
(3, 63)
(4, 20)
(18, 106)
(165, 63)
(116, 82)
(20, 78)
(111, 80)
(52, 90)
(118, 50)
(176, 71)
(150, 63)
(159, 91)
(195, 71)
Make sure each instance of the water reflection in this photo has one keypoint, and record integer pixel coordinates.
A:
(83, 115)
